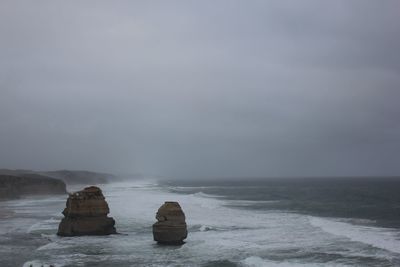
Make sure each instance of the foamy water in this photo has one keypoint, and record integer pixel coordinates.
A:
(219, 235)
(384, 238)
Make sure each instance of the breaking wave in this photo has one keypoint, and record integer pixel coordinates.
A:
(383, 238)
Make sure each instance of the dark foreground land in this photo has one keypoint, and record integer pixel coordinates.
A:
(68, 176)
(12, 187)
(17, 183)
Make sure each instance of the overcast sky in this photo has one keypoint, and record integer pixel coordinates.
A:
(201, 88)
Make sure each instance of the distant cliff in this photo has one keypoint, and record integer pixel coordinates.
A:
(68, 176)
(29, 184)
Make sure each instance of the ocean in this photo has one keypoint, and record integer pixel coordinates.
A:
(247, 222)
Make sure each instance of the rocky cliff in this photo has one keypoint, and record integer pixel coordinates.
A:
(171, 226)
(86, 214)
(33, 184)
(68, 176)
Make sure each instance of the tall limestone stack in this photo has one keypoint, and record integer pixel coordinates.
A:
(86, 214)
(171, 226)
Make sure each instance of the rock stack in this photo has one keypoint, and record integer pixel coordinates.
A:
(171, 225)
(86, 214)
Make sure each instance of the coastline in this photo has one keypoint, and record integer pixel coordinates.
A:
(219, 233)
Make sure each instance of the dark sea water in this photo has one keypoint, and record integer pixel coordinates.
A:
(246, 222)
(376, 199)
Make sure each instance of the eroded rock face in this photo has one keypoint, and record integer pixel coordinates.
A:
(171, 226)
(86, 214)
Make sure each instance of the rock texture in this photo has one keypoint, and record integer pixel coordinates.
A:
(12, 186)
(86, 214)
(171, 226)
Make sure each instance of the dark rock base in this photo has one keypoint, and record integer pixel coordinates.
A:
(169, 234)
(86, 226)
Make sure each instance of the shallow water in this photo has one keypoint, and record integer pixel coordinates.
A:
(223, 231)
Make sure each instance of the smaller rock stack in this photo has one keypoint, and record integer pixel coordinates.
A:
(171, 226)
(86, 214)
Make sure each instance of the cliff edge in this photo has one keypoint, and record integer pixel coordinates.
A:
(12, 187)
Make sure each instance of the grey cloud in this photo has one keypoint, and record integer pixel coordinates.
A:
(210, 88)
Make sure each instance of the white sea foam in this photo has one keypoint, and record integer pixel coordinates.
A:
(201, 194)
(49, 224)
(246, 203)
(37, 263)
(204, 228)
(54, 245)
(383, 238)
(216, 232)
(255, 261)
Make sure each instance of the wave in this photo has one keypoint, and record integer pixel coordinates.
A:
(54, 245)
(37, 263)
(201, 194)
(232, 202)
(383, 238)
(205, 228)
(50, 224)
(255, 261)
(217, 231)
(246, 203)
(201, 228)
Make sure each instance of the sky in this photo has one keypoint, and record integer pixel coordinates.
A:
(201, 88)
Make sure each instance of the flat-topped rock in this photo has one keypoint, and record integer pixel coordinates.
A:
(89, 202)
(86, 214)
(171, 226)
